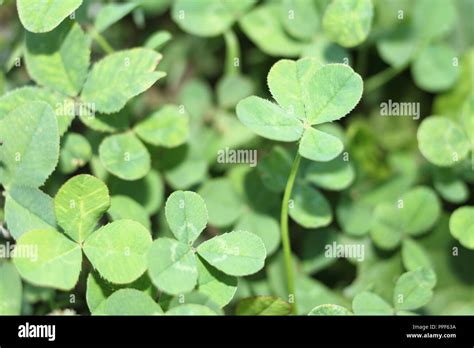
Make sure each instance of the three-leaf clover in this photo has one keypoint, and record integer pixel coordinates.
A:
(308, 94)
(413, 290)
(176, 267)
(412, 215)
(117, 250)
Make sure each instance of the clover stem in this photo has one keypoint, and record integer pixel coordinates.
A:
(232, 64)
(381, 78)
(285, 237)
(101, 41)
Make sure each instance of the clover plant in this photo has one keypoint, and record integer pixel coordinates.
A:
(236, 157)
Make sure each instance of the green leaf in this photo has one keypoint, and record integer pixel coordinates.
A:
(128, 302)
(191, 309)
(208, 17)
(30, 149)
(233, 88)
(125, 156)
(264, 226)
(263, 26)
(421, 210)
(332, 93)
(59, 59)
(385, 230)
(434, 69)
(75, 153)
(157, 40)
(124, 207)
(236, 253)
(195, 297)
(319, 146)
(49, 259)
(354, 217)
(348, 22)
(288, 83)
(44, 16)
(62, 106)
(222, 201)
(186, 165)
(414, 289)
(98, 289)
(218, 286)
(300, 18)
(117, 122)
(433, 18)
(79, 204)
(337, 174)
(119, 77)
(415, 213)
(27, 209)
(10, 290)
(330, 309)
(398, 46)
(326, 52)
(187, 215)
(268, 120)
(168, 127)
(461, 226)
(263, 305)
(368, 303)
(118, 250)
(148, 192)
(414, 256)
(442, 141)
(112, 13)
(275, 168)
(449, 186)
(314, 246)
(172, 266)
(309, 208)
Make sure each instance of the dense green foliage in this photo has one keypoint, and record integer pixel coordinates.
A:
(242, 157)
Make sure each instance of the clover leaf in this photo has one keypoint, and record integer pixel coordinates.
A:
(59, 59)
(330, 309)
(28, 156)
(415, 213)
(79, 204)
(10, 290)
(461, 226)
(263, 305)
(44, 16)
(28, 208)
(368, 303)
(117, 250)
(308, 94)
(57, 263)
(348, 22)
(128, 302)
(208, 17)
(119, 77)
(414, 289)
(442, 141)
(173, 265)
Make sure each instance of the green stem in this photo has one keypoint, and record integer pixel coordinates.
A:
(381, 78)
(285, 236)
(101, 41)
(232, 52)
